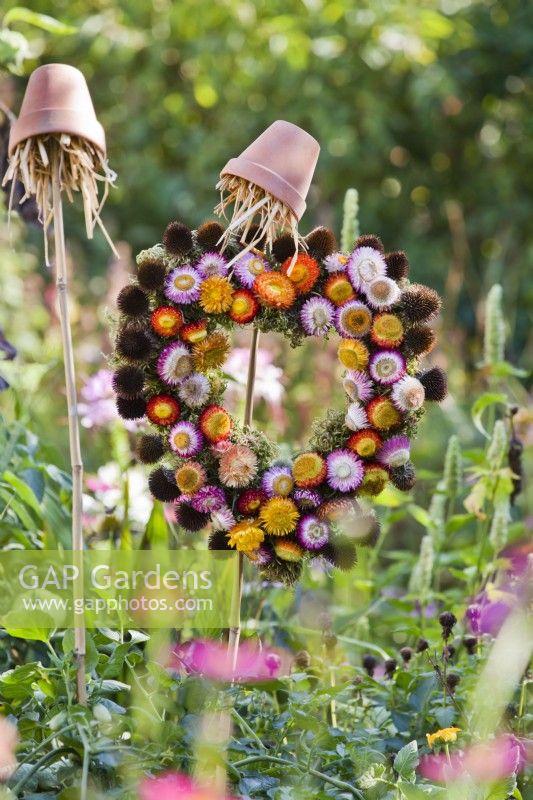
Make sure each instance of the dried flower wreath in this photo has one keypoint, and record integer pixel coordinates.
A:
(171, 344)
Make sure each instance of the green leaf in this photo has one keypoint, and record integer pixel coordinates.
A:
(502, 789)
(420, 514)
(407, 760)
(23, 490)
(481, 404)
(32, 634)
(157, 527)
(42, 21)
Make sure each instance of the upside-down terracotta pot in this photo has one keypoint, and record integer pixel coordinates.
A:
(281, 161)
(57, 100)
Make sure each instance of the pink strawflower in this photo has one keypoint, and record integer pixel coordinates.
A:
(307, 498)
(345, 470)
(387, 367)
(395, 451)
(358, 385)
(176, 786)
(212, 264)
(182, 285)
(248, 267)
(364, 266)
(312, 533)
(208, 499)
(317, 315)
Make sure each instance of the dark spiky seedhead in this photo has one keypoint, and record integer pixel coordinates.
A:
(151, 274)
(177, 239)
(452, 681)
(341, 553)
(391, 665)
(370, 240)
(128, 381)
(131, 408)
(161, 487)
(218, 540)
(208, 235)
(302, 659)
(447, 622)
(404, 478)
(419, 339)
(133, 344)
(283, 247)
(419, 302)
(132, 301)
(470, 642)
(397, 265)
(435, 384)
(278, 571)
(321, 242)
(190, 519)
(150, 448)
(422, 645)
(406, 654)
(369, 663)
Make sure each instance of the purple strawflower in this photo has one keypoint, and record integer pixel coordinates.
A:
(307, 498)
(174, 363)
(248, 267)
(182, 285)
(317, 316)
(395, 451)
(185, 439)
(209, 499)
(312, 533)
(387, 366)
(212, 264)
(364, 266)
(358, 385)
(345, 470)
(336, 262)
(263, 555)
(278, 481)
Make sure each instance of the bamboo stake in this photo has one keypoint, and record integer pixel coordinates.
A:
(236, 598)
(73, 418)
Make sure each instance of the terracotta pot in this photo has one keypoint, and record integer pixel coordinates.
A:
(281, 161)
(57, 100)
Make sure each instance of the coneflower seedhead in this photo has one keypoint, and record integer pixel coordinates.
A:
(218, 540)
(287, 572)
(370, 240)
(391, 665)
(177, 239)
(208, 235)
(132, 301)
(448, 652)
(151, 274)
(193, 521)
(128, 381)
(406, 654)
(419, 302)
(422, 645)
(160, 486)
(133, 344)
(419, 339)
(452, 681)
(369, 663)
(283, 247)
(150, 448)
(435, 384)
(404, 478)
(131, 408)
(397, 265)
(470, 643)
(321, 242)
(447, 622)
(341, 553)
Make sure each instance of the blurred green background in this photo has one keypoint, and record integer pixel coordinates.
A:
(425, 108)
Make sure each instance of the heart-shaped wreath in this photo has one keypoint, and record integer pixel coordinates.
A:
(170, 348)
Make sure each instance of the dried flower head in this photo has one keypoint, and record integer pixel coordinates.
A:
(128, 381)
(132, 301)
(177, 239)
(208, 235)
(131, 408)
(321, 242)
(151, 274)
(150, 448)
(419, 302)
(161, 487)
(133, 344)
(397, 265)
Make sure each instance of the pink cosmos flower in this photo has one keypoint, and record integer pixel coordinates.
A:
(210, 658)
(175, 786)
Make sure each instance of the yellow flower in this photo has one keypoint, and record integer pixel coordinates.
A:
(288, 551)
(211, 352)
(216, 295)
(353, 354)
(246, 536)
(279, 516)
(444, 735)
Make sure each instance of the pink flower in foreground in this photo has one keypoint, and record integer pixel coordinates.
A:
(8, 743)
(209, 658)
(487, 761)
(175, 786)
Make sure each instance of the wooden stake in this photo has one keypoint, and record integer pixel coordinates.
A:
(73, 419)
(236, 598)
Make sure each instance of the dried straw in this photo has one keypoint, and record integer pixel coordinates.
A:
(82, 167)
(250, 201)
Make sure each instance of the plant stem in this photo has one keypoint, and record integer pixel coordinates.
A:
(295, 765)
(73, 420)
(52, 755)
